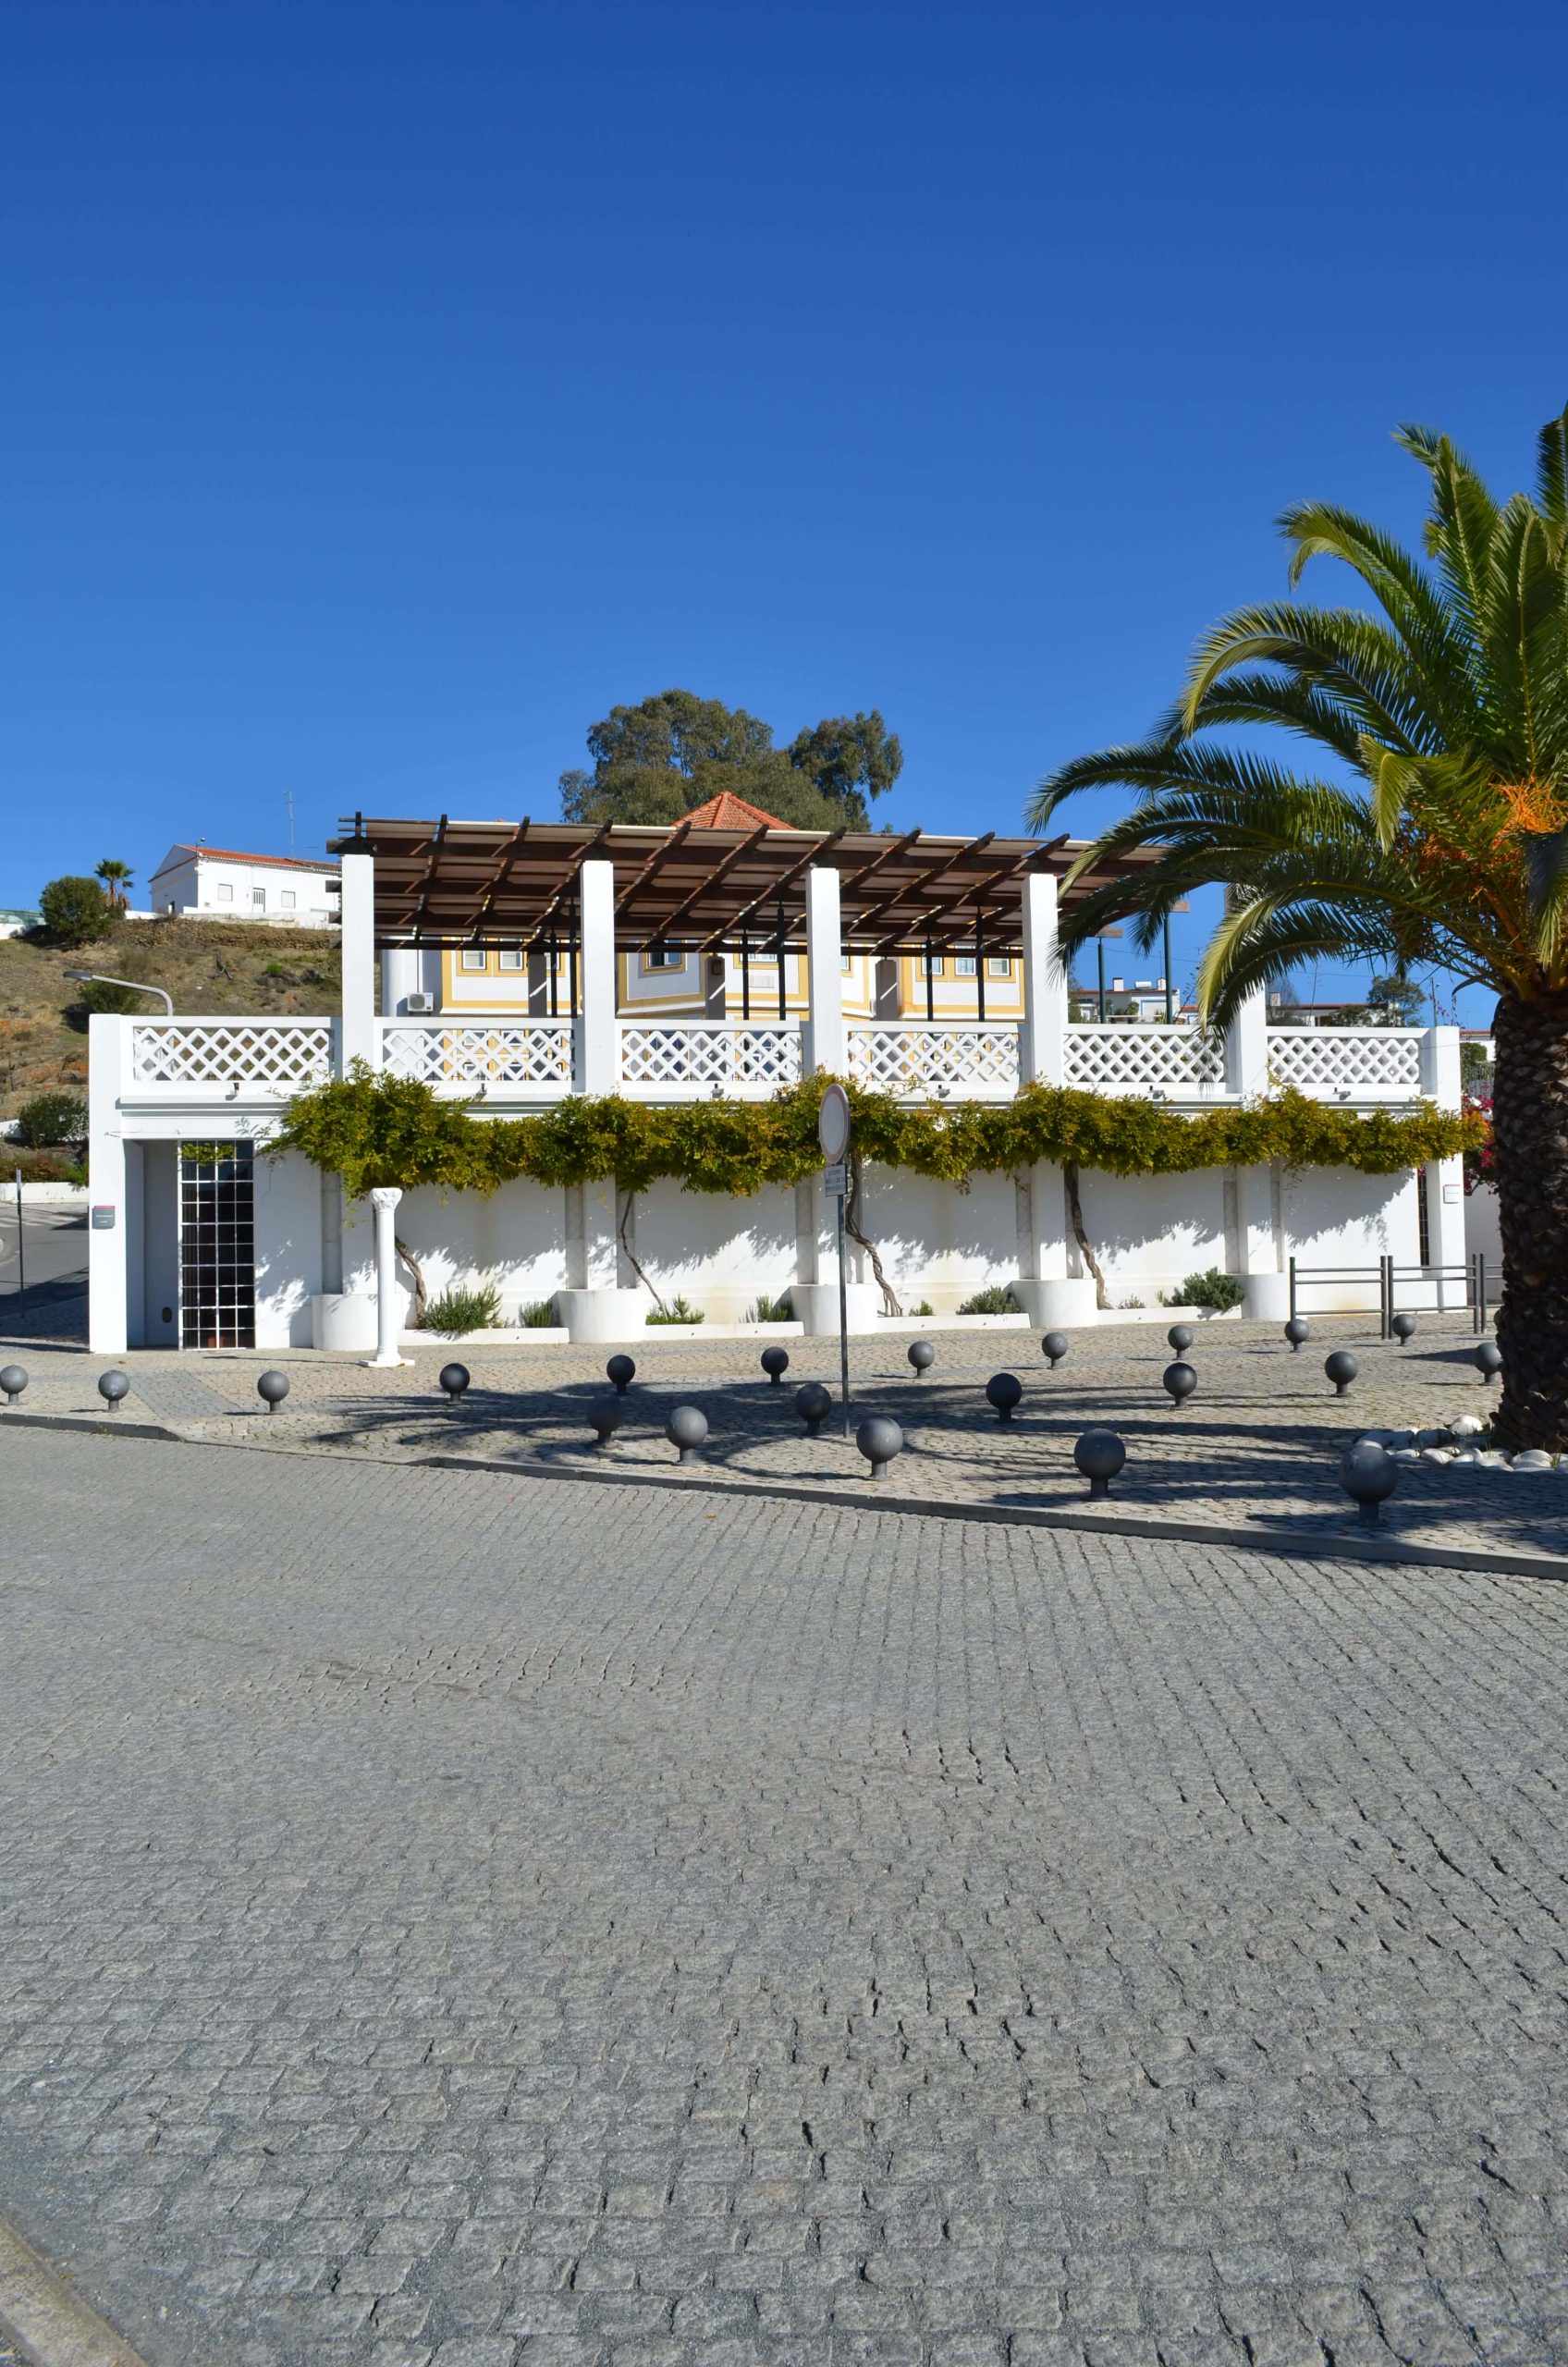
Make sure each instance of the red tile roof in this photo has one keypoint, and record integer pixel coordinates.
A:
(727, 811)
(230, 854)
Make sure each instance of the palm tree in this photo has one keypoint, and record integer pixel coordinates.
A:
(117, 878)
(1437, 833)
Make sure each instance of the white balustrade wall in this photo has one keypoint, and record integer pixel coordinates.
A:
(1121, 1057)
(1352, 1063)
(918, 1060)
(675, 1059)
(525, 1055)
(255, 1054)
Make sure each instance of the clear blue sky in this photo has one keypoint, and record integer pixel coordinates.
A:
(389, 390)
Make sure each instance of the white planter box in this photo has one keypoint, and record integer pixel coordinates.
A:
(502, 1335)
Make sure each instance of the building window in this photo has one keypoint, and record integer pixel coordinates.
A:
(964, 965)
(287, 899)
(472, 957)
(224, 892)
(259, 900)
(931, 965)
(846, 963)
(663, 957)
(510, 957)
(998, 965)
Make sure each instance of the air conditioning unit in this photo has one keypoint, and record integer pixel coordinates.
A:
(418, 1006)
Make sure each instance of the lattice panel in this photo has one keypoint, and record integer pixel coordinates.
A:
(691, 1055)
(1126, 1059)
(921, 1063)
(248, 1052)
(529, 1053)
(1346, 1060)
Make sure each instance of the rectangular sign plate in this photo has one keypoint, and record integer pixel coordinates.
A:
(103, 1221)
(836, 1179)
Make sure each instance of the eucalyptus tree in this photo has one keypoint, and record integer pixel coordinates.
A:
(1422, 818)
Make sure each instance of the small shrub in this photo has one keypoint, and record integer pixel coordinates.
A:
(924, 1307)
(1214, 1292)
(274, 970)
(539, 1315)
(677, 1312)
(38, 1167)
(49, 1119)
(996, 1299)
(1128, 1303)
(771, 1310)
(464, 1310)
(118, 1002)
(76, 911)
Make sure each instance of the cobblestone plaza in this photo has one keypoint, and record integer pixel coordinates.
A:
(452, 1918)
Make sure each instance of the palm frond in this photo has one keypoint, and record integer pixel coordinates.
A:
(1364, 665)
(1552, 470)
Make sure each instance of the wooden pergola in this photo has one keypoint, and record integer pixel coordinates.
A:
(482, 883)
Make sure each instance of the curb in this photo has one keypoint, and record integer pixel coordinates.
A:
(55, 2326)
(1351, 1545)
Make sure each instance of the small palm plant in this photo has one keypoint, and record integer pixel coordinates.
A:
(116, 878)
(1437, 833)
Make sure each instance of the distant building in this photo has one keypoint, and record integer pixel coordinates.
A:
(14, 924)
(218, 884)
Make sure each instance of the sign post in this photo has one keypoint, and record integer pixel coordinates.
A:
(833, 1134)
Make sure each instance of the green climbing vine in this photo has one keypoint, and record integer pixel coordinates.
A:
(376, 1130)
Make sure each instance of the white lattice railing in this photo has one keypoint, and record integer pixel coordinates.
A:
(924, 1060)
(532, 1055)
(259, 1055)
(750, 1059)
(1354, 1062)
(1122, 1056)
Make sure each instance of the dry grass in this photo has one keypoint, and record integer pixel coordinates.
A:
(225, 967)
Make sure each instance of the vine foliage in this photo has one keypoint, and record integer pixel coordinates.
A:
(378, 1130)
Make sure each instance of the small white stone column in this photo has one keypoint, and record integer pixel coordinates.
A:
(598, 1042)
(388, 1312)
(825, 1046)
(1446, 1243)
(1246, 1048)
(109, 1056)
(1042, 1039)
(358, 1037)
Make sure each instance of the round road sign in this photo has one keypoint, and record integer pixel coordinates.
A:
(833, 1124)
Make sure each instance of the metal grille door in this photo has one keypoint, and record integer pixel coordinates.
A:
(217, 1246)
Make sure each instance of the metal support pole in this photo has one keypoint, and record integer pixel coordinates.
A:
(571, 945)
(1170, 982)
(1099, 949)
(930, 979)
(843, 1320)
(1481, 1287)
(980, 964)
(745, 976)
(783, 989)
(1292, 1290)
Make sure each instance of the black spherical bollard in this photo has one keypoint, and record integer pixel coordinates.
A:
(1004, 1389)
(13, 1380)
(622, 1371)
(813, 1403)
(1181, 1336)
(1055, 1346)
(1298, 1331)
(1368, 1473)
(1181, 1380)
(112, 1386)
(776, 1364)
(1342, 1369)
(686, 1430)
(1488, 1359)
(272, 1387)
(605, 1419)
(922, 1356)
(1403, 1326)
(454, 1379)
(879, 1439)
(1099, 1455)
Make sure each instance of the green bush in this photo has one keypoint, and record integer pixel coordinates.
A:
(677, 1312)
(772, 1310)
(76, 911)
(51, 1118)
(996, 1299)
(1213, 1291)
(97, 997)
(539, 1315)
(456, 1312)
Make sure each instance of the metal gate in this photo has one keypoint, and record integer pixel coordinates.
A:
(1471, 1277)
(217, 1245)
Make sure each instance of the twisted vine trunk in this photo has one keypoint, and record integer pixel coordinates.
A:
(1530, 1132)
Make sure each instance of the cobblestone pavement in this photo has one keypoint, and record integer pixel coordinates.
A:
(1258, 1445)
(458, 1921)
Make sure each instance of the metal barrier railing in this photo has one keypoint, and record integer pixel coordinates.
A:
(1470, 1273)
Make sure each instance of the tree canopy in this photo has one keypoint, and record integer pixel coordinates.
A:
(653, 762)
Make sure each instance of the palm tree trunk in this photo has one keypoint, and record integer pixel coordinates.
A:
(1530, 1135)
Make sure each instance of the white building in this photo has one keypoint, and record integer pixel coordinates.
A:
(519, 965)
(218, 883)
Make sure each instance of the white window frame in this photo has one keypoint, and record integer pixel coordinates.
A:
(657, 964)
(474, 957)
(998, 965)
(286, 898)
(509, 957)
(964, 965)
(223, 891)
(933, 965)
(258, 899)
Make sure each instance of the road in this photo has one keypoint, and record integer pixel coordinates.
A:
(456, 1922)
(49, 1277)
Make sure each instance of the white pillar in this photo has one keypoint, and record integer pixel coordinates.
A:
(108, 1054)
(358, 1038)
(1042, 1045)
(1246, 1048)
(388, 1310)
(825, 1044)
(402, 973)
(597, 1047)
(1445, 1177)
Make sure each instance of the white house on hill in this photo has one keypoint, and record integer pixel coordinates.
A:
(217, 883)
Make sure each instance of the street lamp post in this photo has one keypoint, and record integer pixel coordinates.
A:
(97, 978)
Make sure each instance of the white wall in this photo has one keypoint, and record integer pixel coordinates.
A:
(1335, 1216)
(1481, 1233)
(717, 1253)
(287, 1250)
(517, 1241)
(937, 1243)
(1150, 1232)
